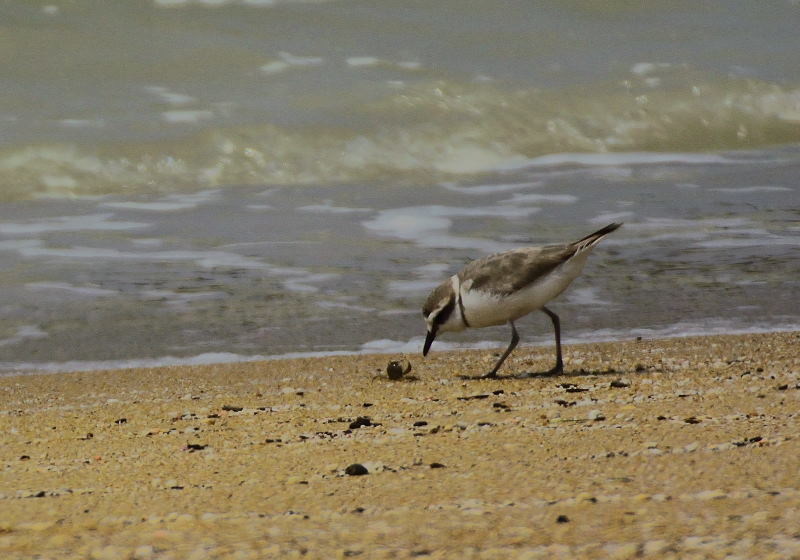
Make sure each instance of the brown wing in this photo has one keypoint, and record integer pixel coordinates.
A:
(508, 272)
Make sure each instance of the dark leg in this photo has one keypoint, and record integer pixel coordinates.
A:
(511, 346)
(559, 367)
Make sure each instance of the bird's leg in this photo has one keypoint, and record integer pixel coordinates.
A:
(559, 367)
(511, 346)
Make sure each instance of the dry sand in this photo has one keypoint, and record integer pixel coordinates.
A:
(656, 448)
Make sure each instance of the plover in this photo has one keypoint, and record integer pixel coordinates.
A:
(503, 287)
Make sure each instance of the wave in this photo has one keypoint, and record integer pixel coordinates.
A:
(426, 132)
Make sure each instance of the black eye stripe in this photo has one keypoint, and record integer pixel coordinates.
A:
(446, 311)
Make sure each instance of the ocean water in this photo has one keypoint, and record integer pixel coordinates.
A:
(216, 180)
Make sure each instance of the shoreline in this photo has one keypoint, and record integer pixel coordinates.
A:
(412, 347)
(655, 448)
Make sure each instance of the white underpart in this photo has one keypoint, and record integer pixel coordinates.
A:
(483, 309)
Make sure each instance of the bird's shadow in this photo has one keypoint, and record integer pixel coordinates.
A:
(544, 375)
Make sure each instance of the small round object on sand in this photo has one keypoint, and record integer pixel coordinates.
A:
(396, 369)
(356, 469)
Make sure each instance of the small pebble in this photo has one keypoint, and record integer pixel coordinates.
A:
(595, 415)
(360, 422)
(356, 469)
(562, 519)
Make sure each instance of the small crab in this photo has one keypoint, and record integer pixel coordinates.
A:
(396, 369)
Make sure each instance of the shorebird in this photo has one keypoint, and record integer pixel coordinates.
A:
(503, 287)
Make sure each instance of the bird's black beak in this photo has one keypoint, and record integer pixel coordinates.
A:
(428, 341)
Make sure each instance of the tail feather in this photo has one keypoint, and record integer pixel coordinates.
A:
(594, 238)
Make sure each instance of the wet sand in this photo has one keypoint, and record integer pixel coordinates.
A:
(653, 448)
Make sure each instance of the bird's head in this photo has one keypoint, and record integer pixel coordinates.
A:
(440, 313)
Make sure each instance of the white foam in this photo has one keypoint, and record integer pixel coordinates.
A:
(86, 222)
(82, 123)
(327, 207)
(147, 242)
(170, 97)
(585, 297)
(295, 60)
(645, 68)
(625, 158)
(756, 189)
(171, 203)
(409, 65)
(427, 226)
(12, 368)
(395, 347)
(71, 288)
(344, 305)
(303, 283)
(414, 346)
(180, 299)
(363, 61)
(206, 259)
(274, 67)
(186, 116)
(404, 287)
(536, 198)
(491, 189)
(24, 332)
(288, 60)
(149, 206)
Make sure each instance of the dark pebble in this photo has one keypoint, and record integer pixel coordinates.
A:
(192, 447)
(361, 421)
(420, 423)
(783, 387)
(619, 384)
(471, 397)
(230, 408)
(500, 405)
(40, 494)
(121, 421)
(692, 420)
(24, 457)
(562, 519)
(356, 469)
(438, 466)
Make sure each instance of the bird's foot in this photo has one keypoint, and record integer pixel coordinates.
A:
(557, 369)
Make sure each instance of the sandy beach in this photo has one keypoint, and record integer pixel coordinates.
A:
(646, 448)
